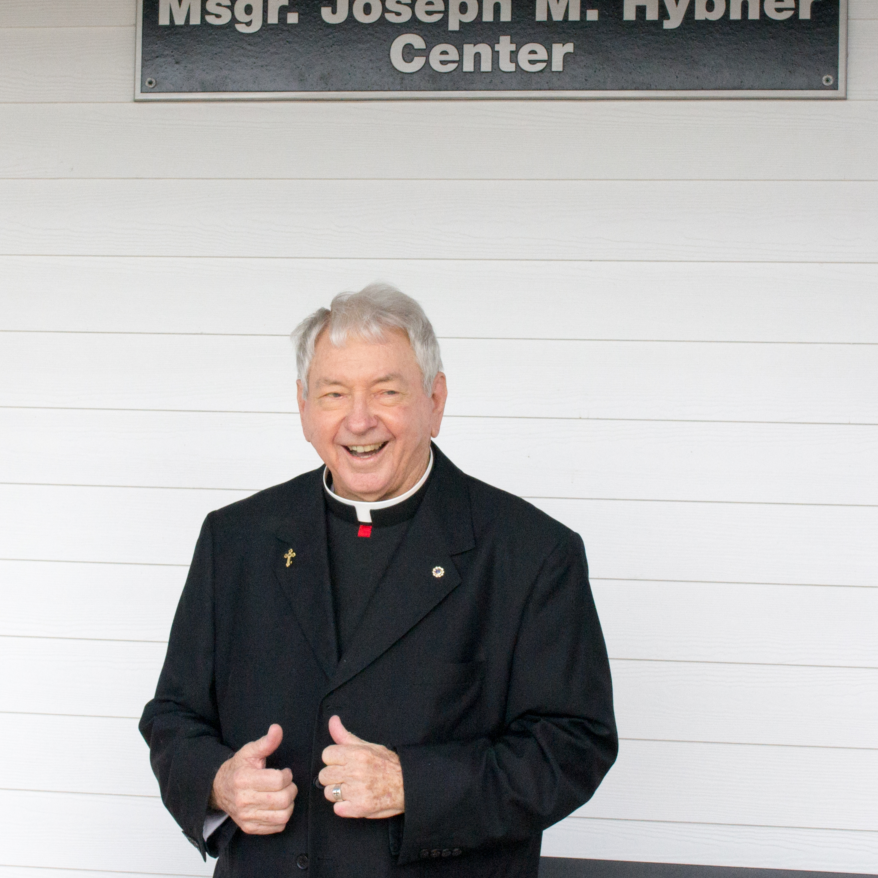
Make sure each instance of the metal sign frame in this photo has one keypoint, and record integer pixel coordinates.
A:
(839, 93)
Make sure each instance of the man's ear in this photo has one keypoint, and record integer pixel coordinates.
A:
(303, 411)
(438, 397)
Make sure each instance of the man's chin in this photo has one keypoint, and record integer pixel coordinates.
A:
(368, 487)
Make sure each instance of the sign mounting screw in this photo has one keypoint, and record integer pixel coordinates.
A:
(828, 80)
(150, 83)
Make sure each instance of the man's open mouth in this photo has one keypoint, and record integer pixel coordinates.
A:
(364, 452)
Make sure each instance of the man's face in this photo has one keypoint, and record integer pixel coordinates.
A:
(368, 417)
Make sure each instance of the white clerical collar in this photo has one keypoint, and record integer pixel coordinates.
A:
(365, 509)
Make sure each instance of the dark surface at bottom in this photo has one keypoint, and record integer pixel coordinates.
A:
(561, 867)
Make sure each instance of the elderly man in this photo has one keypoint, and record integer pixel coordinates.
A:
(422, 649)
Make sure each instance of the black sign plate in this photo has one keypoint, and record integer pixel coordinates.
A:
(270, 49)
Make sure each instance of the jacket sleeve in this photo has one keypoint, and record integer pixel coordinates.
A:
(181, 724)
(558, 742)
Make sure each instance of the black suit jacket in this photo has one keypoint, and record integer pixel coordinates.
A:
(490, 681)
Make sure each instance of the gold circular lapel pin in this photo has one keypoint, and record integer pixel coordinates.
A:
(438, 572)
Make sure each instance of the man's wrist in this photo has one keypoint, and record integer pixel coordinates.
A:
(216, 801)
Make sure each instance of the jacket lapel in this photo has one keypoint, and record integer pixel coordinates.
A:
(421, 574)
(302, 570)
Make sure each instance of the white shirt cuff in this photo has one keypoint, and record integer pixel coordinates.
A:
(213, 822)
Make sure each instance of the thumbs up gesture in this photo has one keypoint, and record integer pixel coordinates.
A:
(368, 777)
(259, 799)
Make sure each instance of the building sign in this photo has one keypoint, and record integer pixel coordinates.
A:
(490, 48)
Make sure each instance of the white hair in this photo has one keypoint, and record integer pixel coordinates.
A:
(367, 315)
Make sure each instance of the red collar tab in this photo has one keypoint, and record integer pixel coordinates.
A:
(365, 530)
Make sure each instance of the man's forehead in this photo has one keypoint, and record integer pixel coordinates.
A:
(377, 379)
(391, 355)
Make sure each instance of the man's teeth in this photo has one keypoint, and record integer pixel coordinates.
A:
(365, 449)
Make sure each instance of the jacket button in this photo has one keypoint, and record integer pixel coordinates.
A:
(436, 852)
(446, 852)
(456, 852)
(302, 861)
(424, 854)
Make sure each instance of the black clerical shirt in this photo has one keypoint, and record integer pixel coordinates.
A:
(360, 554)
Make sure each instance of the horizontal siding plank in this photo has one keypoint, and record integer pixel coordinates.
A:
(700, 622)
(711, 845)
(668, 701)
(146, 526)
(758, 704)
(739, 622)
(744, 785)
(68, 13)
(170, 449)
(51, 599)
(724, 542)
(78, 754)
(696, 140)
(96, 64)
(79, 677)
(66, 64)
(781, 463)
(777, 302)
(637, 220)
(706, 783)
(96, 833)
(863, 9)
(862, 59)
(709, 542)
(566, 379)
(65, 872)
(152, 372)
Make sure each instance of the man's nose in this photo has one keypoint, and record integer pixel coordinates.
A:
(360, 418)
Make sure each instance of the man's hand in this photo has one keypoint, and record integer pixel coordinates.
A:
(259, 799)
(369, 774)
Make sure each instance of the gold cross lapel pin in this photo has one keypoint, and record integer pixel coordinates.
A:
(289, 557)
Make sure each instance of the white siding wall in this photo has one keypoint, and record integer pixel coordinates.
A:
(659, 321)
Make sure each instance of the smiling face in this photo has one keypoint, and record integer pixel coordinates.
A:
(368, 417)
